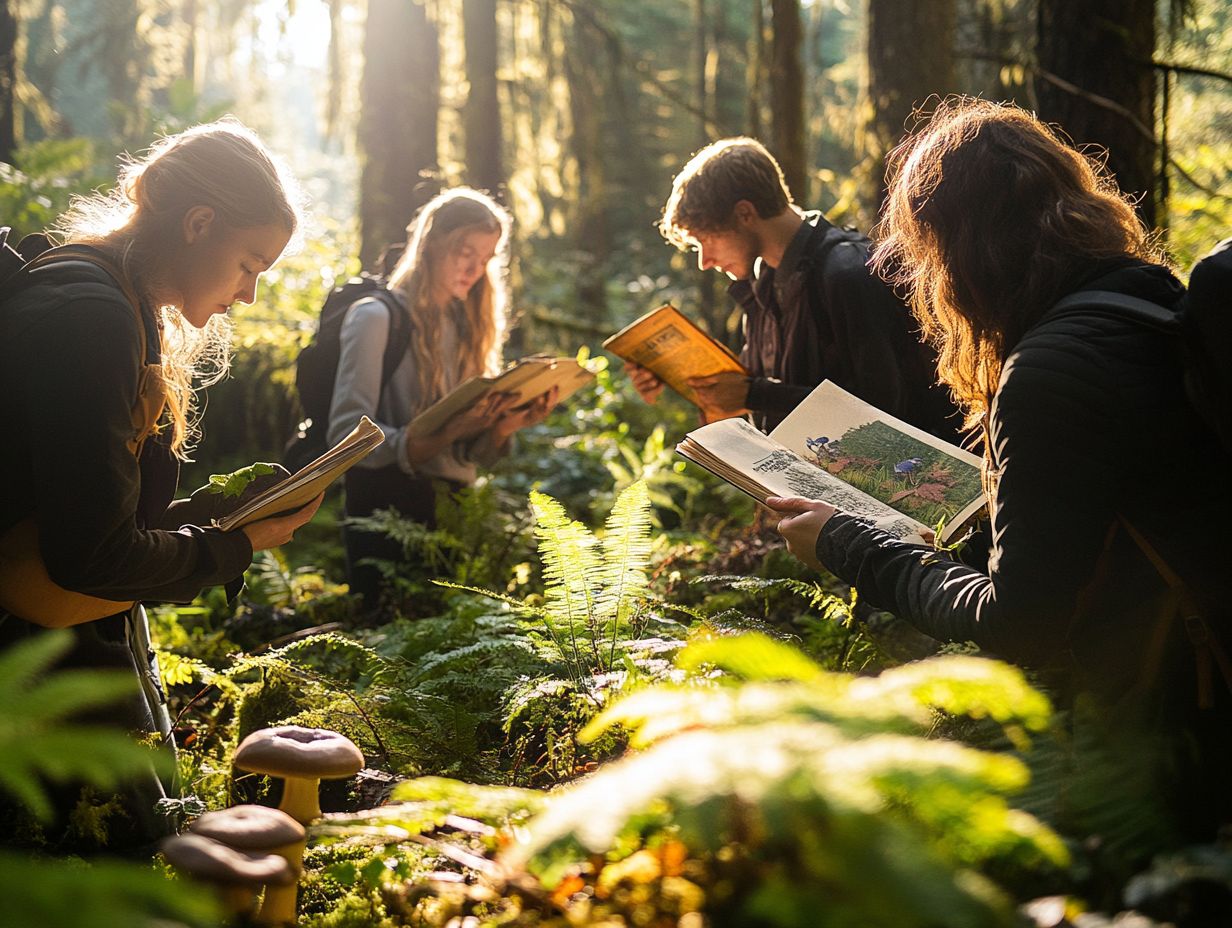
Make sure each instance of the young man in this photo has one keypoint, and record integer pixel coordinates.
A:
(813, 310)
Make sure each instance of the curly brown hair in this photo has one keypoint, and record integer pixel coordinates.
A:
(990, 218)
(707, 189)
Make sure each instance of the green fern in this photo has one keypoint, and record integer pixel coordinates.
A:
(37, 740)
(73, 894)
(825, 779)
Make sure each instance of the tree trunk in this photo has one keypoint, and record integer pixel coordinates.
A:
(910, 57)
(8, 81)
(753, 75)
(1097, 83)
(593, 237)
(787, 95)
(481, 114)
(190, 14)
(397, 133)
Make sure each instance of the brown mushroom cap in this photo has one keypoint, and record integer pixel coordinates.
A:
(249, 828)
(213, 862)
(292, 751)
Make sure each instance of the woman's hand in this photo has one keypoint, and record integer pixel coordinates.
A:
(801, 525)
(527, 414)
(645, 383)
(478, 418)
(270, 533)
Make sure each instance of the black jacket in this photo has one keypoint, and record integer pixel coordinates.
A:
(70, 355)
(1089, 425)
(824, 315)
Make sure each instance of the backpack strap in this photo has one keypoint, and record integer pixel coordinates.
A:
(399, 331)
(1118, 305)
(151, 387)
(1208, 650)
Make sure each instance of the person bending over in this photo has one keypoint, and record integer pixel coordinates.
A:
(813, 310)
(100, 342)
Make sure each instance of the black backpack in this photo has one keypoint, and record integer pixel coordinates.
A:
(13, 259)
(1202, 322)
(317, 364)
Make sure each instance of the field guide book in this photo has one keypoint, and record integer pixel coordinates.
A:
(527, 379)
(836, 448)
(309, 481)
(673, 348)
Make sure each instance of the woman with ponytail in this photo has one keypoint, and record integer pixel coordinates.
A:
(102, 341)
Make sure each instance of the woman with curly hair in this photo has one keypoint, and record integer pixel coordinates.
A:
(1105, 549)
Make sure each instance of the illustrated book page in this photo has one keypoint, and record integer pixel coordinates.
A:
(673, 348)
(526, 379)
(305, 484)
(839, 449)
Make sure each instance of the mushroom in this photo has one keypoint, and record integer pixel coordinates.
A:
(261, 829)
(302, 757)
(236, 875)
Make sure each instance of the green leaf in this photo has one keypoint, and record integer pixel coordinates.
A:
(236, 482)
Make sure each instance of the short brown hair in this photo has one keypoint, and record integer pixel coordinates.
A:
(707, 189)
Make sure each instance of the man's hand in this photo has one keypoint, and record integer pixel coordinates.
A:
(527, 414)
(270, 533)
(801, 525)
(721, 396)
(648, 386)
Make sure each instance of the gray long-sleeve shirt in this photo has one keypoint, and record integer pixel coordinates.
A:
(357, 392)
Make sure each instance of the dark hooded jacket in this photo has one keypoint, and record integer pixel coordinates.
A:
(824, 315)
(1091, 435)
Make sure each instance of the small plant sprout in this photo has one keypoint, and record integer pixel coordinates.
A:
(237, 876)
(258, 829)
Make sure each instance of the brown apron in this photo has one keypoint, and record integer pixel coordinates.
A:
(26, 590)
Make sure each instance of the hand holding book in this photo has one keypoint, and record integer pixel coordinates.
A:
(801, 525)
(674, 351)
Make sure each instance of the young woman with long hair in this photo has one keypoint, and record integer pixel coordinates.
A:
(1100, 529)
(101, 343)
(450, 281)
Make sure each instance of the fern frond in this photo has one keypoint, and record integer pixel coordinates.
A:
(626, 558)
(76, 895)
(829, 804)
(35, 740)
(751, 656)
(570, 564)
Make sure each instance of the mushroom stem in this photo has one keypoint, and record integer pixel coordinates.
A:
(300, 799)
(238, 900)
(279, 905)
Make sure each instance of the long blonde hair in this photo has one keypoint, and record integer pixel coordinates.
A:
(223, 165)
(436, 231)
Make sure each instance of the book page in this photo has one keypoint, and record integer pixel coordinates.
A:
(526, 379)
(671, 346)
(904, 467)
(303, 486)
(735, 451)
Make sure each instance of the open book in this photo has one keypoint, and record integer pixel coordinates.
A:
(304, 485)
(526, 379)
(836, 448)
(673, 348)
